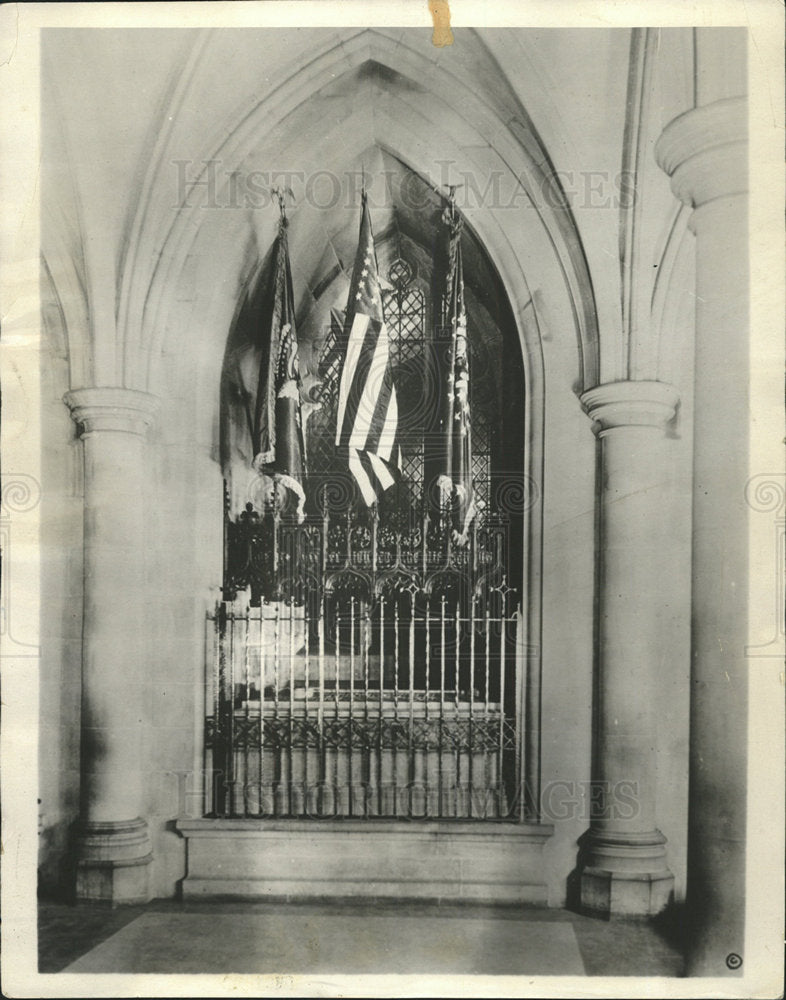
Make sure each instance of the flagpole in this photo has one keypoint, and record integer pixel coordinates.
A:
(457, 500)
(283, 456)
(446, 480)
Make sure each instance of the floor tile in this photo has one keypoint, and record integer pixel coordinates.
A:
(332, 943)
(382, 936)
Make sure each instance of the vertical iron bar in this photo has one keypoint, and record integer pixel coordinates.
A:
(366, 696)
(231, 715)
(261, 731)
(381, 721)
(441, 697)
(322, 748)
(218, 680)
(374, 527)
(471, 703)
(276, 663)
(276, 782)
(291, 774)
(471, 727)
(520, 667)
(427, 710)
(502, 622)
(486, 781)
(321, 705)
(411, 731)
(306, 695)
(202, 713)
(225, 538)
(350, 747)
(366, 617)
(247, 714)
(396, 660)
(276, 593)
(337, 712)
(457, 640)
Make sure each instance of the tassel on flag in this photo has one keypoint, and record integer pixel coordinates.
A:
(455, 481)
(367, 418)
(278, 433)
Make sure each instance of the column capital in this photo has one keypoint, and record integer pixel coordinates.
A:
(111, 408)
(705, 151)
(630, 404)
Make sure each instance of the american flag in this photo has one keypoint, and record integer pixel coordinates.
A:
(367, 417)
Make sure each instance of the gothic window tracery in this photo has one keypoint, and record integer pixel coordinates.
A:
(409, 320)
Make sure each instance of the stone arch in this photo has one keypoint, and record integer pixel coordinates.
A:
(533, 244)
(499, 126)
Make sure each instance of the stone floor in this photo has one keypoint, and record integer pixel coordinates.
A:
(331, 938)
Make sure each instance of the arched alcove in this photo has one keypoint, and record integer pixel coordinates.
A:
(211, 257)
(408, 232)
(368, 591)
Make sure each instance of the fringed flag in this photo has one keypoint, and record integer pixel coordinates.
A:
(455, 480)
(367, 415)
(278, 434)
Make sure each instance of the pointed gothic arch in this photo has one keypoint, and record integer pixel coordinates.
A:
(548, 255)
(544, 250)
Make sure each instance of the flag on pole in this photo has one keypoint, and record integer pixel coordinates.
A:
(455, 480)
(367, 415)
(278, 434)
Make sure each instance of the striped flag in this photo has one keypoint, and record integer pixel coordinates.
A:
(367, 417)
(455, 482)
(278, 434)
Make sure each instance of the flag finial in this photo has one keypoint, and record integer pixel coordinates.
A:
(281, 196)
(449, 215)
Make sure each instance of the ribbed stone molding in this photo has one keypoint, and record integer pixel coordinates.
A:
(113, 850)
(112, 408)
(630, 404)
(705, 152)
(623, 866)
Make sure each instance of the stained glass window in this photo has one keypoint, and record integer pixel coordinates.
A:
(407, 314)
(405, 317)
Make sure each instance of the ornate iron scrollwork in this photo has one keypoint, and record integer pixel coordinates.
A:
(365, 558)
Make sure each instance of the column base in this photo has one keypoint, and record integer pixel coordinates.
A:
(626, 875)
(113, 863)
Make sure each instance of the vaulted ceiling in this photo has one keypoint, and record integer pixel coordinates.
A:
(157, 206)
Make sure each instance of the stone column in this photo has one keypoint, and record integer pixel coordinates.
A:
(704, 151)
(623, 864)
(113, 849)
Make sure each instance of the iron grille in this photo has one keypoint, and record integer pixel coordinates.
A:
(363, 670)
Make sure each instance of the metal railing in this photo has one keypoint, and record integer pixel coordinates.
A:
(365, 671)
